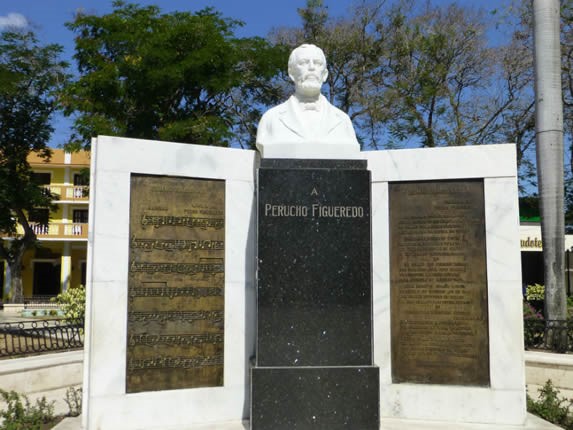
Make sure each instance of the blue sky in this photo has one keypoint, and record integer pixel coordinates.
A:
(46, 18)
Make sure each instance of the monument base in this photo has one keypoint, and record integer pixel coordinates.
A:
(345, 397)
(532, 423)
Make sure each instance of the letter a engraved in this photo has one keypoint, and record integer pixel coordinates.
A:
(314, 192)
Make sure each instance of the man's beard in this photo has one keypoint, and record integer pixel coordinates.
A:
(310, 86)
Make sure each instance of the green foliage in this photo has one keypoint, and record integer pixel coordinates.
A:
(74, 401)
(551, 407)
(533, 326)
(20, 414)
(570, 307)
(179, 76)
(27, 102)
(535, 292)
(314, 17)
(530, 313)
(72, 302)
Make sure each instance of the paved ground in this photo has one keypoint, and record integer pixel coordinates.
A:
(15, 317)
(12, 317)
(70, 424)
(533, 423)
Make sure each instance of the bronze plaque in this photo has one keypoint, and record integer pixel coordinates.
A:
(175, 315)
(438, 283)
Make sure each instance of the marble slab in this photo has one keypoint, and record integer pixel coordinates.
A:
(106, 403)
(321, 150)
(314, 283)
(313, 367)
(503, 401)
(334, 398)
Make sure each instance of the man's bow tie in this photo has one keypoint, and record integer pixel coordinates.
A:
(311, 106)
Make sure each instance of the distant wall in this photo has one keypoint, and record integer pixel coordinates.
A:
(48, 375)
(541, 366)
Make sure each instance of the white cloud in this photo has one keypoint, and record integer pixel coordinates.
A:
(13, 20)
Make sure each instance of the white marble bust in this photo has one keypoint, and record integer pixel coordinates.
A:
(306, 125)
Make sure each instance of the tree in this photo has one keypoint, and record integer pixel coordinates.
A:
(354, 58)
(420, 76)
(180, 76)
(549, 131)
(32, 74)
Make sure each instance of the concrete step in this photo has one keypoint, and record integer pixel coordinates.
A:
(532, 423)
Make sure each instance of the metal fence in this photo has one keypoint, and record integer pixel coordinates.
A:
(35, 337)
(553, 335)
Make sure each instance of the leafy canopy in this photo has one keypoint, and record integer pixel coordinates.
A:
(146, 74)
(31, 75)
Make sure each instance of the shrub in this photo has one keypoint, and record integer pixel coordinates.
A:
(570, 307)
(535, 292)
(74, 401)
(21, 415)
(72, 302)
(530, 313)
(551, 407)
(533, 326)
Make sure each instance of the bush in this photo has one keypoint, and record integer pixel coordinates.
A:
(551, 407)
(535, 292)
(530, 312)
(72, 302)
(533, 326)
(21, 415)
(74, 401)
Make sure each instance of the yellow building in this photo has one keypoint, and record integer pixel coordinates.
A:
(60, 260)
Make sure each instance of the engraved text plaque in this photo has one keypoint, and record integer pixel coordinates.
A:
(438, 283)
(176, 283)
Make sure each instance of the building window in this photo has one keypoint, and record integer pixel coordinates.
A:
(80, 216)
(81, 182)
(39, 215)
(81, 179)
(41, 178)
(39, 219)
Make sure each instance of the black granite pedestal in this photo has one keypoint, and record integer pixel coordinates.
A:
(313, 367)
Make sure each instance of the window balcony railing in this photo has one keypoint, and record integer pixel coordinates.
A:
(59, 230)
(69, 192)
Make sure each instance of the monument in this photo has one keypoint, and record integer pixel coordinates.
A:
(307, 125)
(313, 364)
(388, 282)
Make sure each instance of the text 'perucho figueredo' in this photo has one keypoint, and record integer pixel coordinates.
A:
(314, 323)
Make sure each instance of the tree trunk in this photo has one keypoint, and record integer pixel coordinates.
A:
(549, 138)
(13, 252)
(16, 287)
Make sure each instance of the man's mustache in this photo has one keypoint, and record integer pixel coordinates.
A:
(311, 75)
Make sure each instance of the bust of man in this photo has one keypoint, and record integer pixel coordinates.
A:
(306, 125)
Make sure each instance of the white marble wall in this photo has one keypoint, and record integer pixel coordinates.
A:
(106, 405)
(504, 401)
